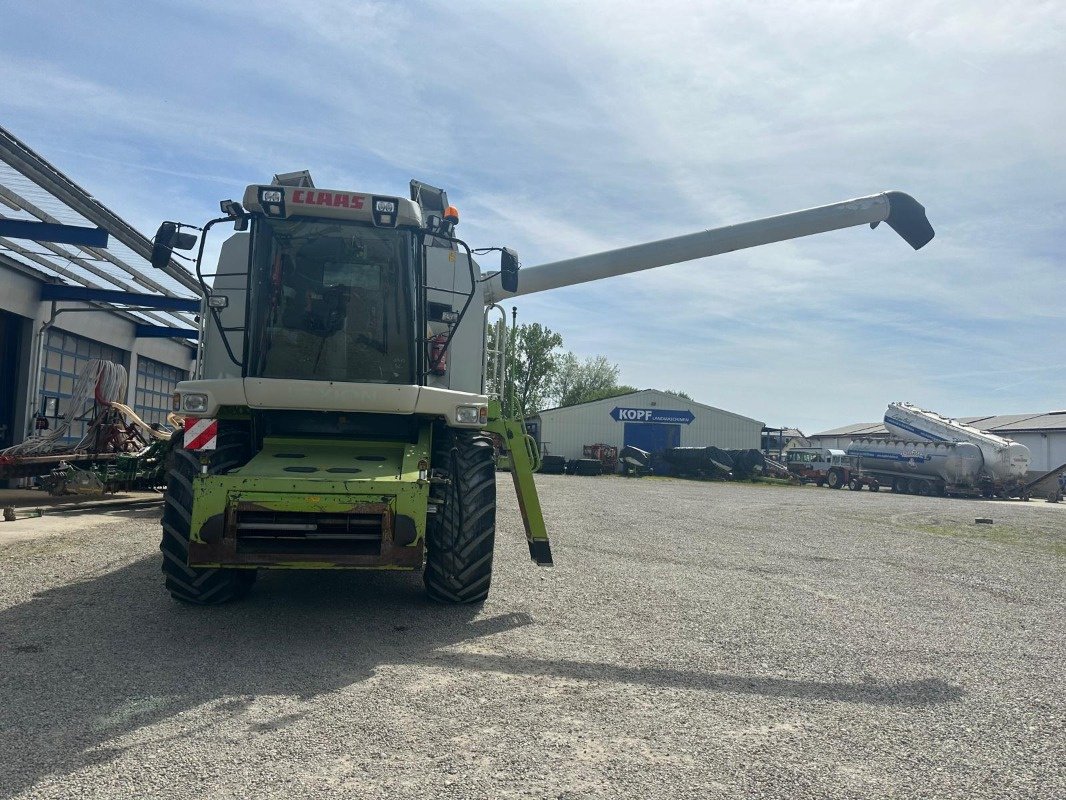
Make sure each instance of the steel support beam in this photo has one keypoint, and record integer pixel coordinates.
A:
(52, 232)
(59, 291)
(162, 332)
(27, 162)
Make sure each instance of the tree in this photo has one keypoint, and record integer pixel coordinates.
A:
(533, 362)
(682, 395)
(582, 381)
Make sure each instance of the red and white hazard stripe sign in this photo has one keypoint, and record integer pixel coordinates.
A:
(201, 434)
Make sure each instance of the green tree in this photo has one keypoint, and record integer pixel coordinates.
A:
(582, 381)
(682, 395)
(533, 360)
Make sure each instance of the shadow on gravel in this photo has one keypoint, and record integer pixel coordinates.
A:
(88, 662)
(927, 692)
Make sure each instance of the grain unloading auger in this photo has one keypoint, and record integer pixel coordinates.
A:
(339, 411)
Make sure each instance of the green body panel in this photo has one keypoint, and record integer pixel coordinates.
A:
(513, 432)
(388, 472)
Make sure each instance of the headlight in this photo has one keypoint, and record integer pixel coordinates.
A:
(194, 402)
(468, 415)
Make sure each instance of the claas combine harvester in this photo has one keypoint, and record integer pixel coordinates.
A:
(338, 417)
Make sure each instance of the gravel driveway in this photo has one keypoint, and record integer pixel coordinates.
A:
(695, 640)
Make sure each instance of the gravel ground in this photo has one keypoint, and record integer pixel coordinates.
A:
(695, 640)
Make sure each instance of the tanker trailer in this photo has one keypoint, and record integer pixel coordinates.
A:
(925, 468)
(1006, 462)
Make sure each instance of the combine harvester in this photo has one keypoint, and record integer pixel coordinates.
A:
(936, 455)
(344, 392)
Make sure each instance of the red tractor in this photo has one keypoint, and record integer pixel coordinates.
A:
(825, 466)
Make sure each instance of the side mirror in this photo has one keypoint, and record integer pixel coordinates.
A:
(168, 239)
(509, 270)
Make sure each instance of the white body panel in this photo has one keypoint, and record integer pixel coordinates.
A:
(287, 393)
(232, 283)
(448, 268)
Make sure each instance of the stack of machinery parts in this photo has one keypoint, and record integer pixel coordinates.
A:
(584, 466)
(553, 465)
(635, 462)
(699, 462)
(117, 451)
(606, 454)
(747, 464)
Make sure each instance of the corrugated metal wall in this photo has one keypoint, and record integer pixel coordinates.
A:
(564, 431)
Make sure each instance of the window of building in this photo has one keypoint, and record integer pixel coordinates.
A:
(63, 358)
(155, 385)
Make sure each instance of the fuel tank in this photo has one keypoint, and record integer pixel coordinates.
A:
(955, 463)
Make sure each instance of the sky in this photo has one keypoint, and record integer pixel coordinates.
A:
(562, 129)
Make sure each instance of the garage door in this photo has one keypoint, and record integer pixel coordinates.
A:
(65, 356)
(652, 436)
(155, 385)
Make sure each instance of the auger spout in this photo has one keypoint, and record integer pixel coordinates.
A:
(903, 213)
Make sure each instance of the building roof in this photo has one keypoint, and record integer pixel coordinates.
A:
(998, 423)
(34, 191)
(671, 398)
(857, 429)
(1052, 420)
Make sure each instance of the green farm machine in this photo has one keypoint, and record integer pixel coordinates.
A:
(340, 411)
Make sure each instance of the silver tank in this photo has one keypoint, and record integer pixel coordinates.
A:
(1005, 460)
(955, 463)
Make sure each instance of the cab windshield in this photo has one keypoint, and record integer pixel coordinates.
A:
(332, 301)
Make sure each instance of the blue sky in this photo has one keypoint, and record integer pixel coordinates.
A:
(566, 128)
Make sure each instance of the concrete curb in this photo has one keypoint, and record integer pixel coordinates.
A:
(134, 502)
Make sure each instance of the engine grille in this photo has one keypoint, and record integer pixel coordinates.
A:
(308, 533)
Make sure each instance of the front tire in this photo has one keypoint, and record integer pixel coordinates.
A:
(202, 586)
(460, 537)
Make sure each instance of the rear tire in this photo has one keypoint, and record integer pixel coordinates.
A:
(925, 489)
(460, 537)
(198, 585)
(835, 480)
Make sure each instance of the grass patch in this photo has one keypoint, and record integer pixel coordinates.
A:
(1001, 534)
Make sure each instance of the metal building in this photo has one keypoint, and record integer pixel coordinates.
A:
(1043, 433)
(648, 419)
(77, 285)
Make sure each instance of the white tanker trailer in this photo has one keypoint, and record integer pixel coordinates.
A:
(926, 468)
(1005, 462)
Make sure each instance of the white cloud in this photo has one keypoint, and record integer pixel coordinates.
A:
(568, 128)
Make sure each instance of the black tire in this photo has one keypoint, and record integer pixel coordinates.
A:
(199, 586)
(855, 485)
(460, 537)
(820, 483)
(875, 486)
(589, 466)
(834, 479)
(553, 465)
(925, 489)
(899, 485)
